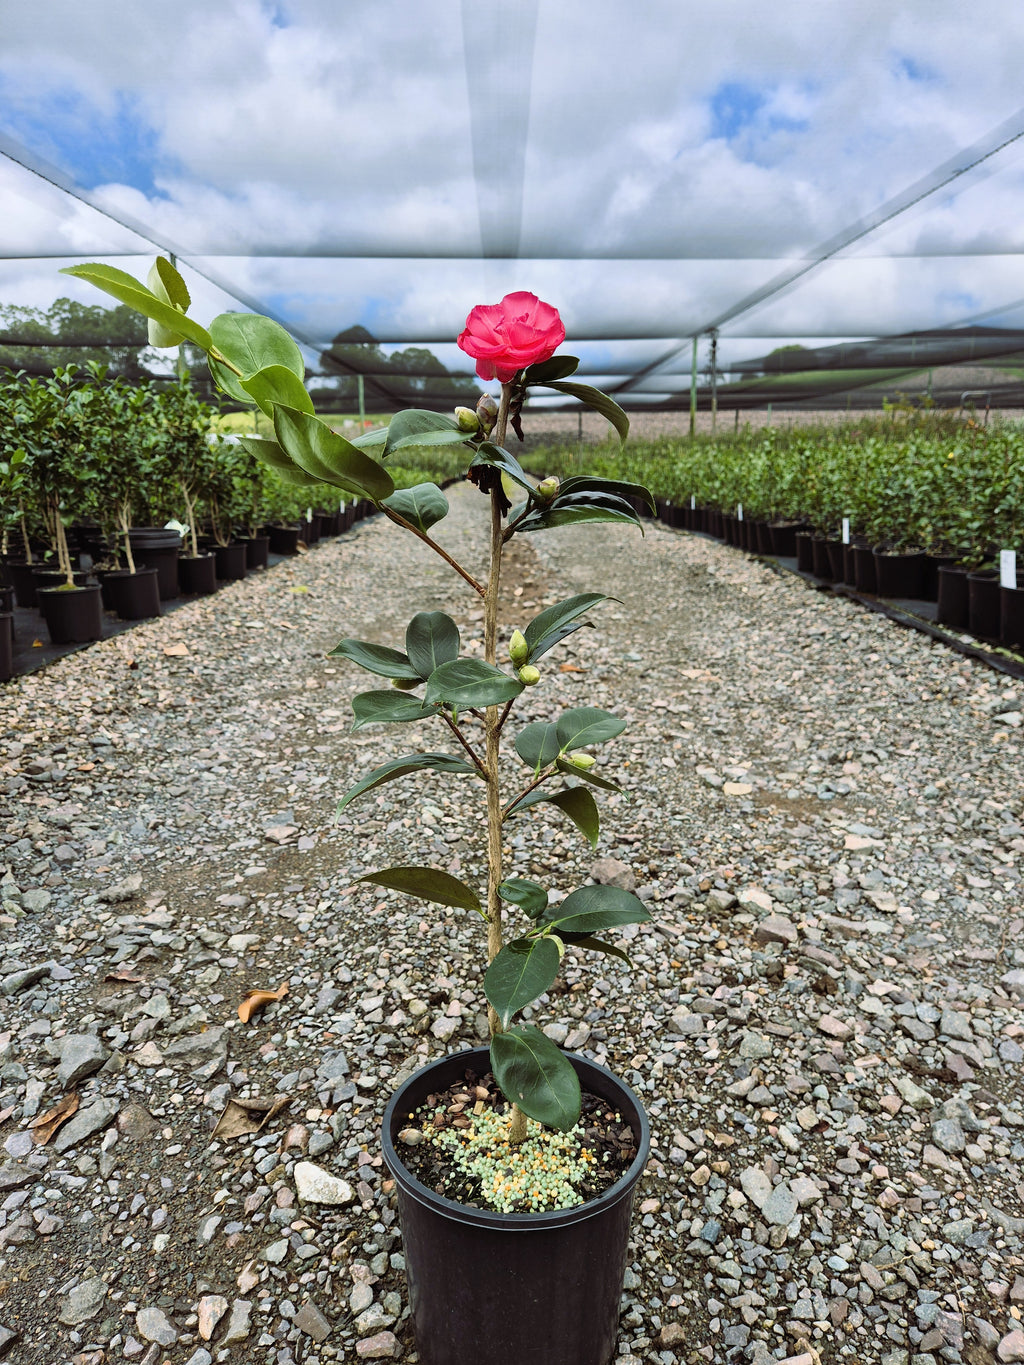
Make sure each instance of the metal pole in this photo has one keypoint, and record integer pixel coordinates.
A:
(362, 403)
(714, 379)
(693, 391)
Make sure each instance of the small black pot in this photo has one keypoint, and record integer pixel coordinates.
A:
(6, 599)
(805, 551)
(198, 574)
(930, 583)
(849, 566)
(22, 577)
(230, 561)
(491, 1288)
(983, 605)
(284, 540)
(6, 645)
(134, 596)
(821, 559)
(73, 616)
(53, 578)
(837, 560)
(784, 539)
(865, 578)
(256, 552)
(156, 547)
(900, 575)
(954, 606)
(1011, 615)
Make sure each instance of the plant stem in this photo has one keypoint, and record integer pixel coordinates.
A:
(464, 742)
(454, 563)
(127, 538)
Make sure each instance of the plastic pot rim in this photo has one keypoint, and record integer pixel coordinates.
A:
(514, 1222)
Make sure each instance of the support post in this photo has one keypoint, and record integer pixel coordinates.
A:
(714, 379)
(362, 402)
(693, 391)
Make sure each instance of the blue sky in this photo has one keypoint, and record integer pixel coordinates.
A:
(665, 163)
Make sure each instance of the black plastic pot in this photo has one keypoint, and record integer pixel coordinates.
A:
(73, 616)
(1011, 615)
(784, 539)
(256, 552)
(865, 577)
(954, 606)
(155, 547)
(134, 596)
(6, 645)
(805, 551)
(836, 560)
(930, 578)
(899, 575)
(764, 538)
(284, 540)
(983, 605)
(849, 565)
(230, 561)
(198, 574)
(490, 1288)
(23, 580)
(820, 558)
(53, 578)
(6, 599)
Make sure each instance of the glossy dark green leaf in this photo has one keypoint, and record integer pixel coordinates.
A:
(558, 367)
(555, 623)
(534, 1074)
(322, 452)
(537, 745)
(531, 898)
(379, 659)
(598, 945)
(595, 399)
(576, 802)
(277, 384)
(252, 342)
(429, 885)
(271, 454)
(399, 767)
(617, 488)
(585, 725)
(129, 290)
(419, 427)
(497, 457)
(521, 971)
(564, 765)
(431, 639)
(470, 682)
(373, 708)
(591, 908)
(579, 509)
(422, 506)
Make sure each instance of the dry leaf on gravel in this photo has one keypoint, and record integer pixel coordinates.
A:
(124, 976)
(176, 651)
(240, 1117)
(256, 1000)
(44, 1127)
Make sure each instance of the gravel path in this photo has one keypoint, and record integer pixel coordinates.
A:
(824, 1019)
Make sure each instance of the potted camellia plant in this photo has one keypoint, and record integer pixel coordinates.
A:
(515, 1164)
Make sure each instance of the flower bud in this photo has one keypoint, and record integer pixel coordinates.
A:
(487, 411)
(405, 684)
(547, 488)
(467, 419)
(528, 675)
(518, 649)
(581, 760)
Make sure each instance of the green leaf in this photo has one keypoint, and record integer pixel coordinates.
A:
(595, 399)
(270, 454)
(558, 367)
(585, 725)
(431, 639)
(521, 971)
(537, 745)
(578, 509)
(399, 767)
(531, 898)
(252, 343)
(127, 289)
(322, 452)
(555, 623)
(419, 427)
(564, 765)
(598, 945)
(165, 282)
(534, 1074)
(379, 659)
(582, 483)
(423, 505)
(227, 380)
(497, 457)
(471, 682)
(597, 907)
(373, 708)
(276, 384)
(429, 885)
(576, 802)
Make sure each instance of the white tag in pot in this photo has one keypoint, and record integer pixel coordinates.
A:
(739, 511)
(846, 530)
(1007, 568)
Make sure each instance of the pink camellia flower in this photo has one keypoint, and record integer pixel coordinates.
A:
(504, 337)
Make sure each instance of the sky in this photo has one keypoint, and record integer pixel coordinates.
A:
(645, 165)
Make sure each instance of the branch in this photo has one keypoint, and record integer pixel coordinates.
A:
(399, 520)
(464, 742)
(526, 791)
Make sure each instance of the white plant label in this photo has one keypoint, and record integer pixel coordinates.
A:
(309, 514)
(739, 511)
(693, 503)
(846, 530)
(1007, 568)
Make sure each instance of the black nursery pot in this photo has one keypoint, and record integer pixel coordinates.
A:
(256, 552)
(490, 1287)
(134, 596)
(820, 559)
(73, 616)
(6, 600)
(1011, 604)
(900, 575)
(804, 551)
(284, 540)
(156, 547)
(865, 578)
(983, 605)
(6, 645)
(22, 578)
(954, 607)
(230, 561)
(198, 574)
